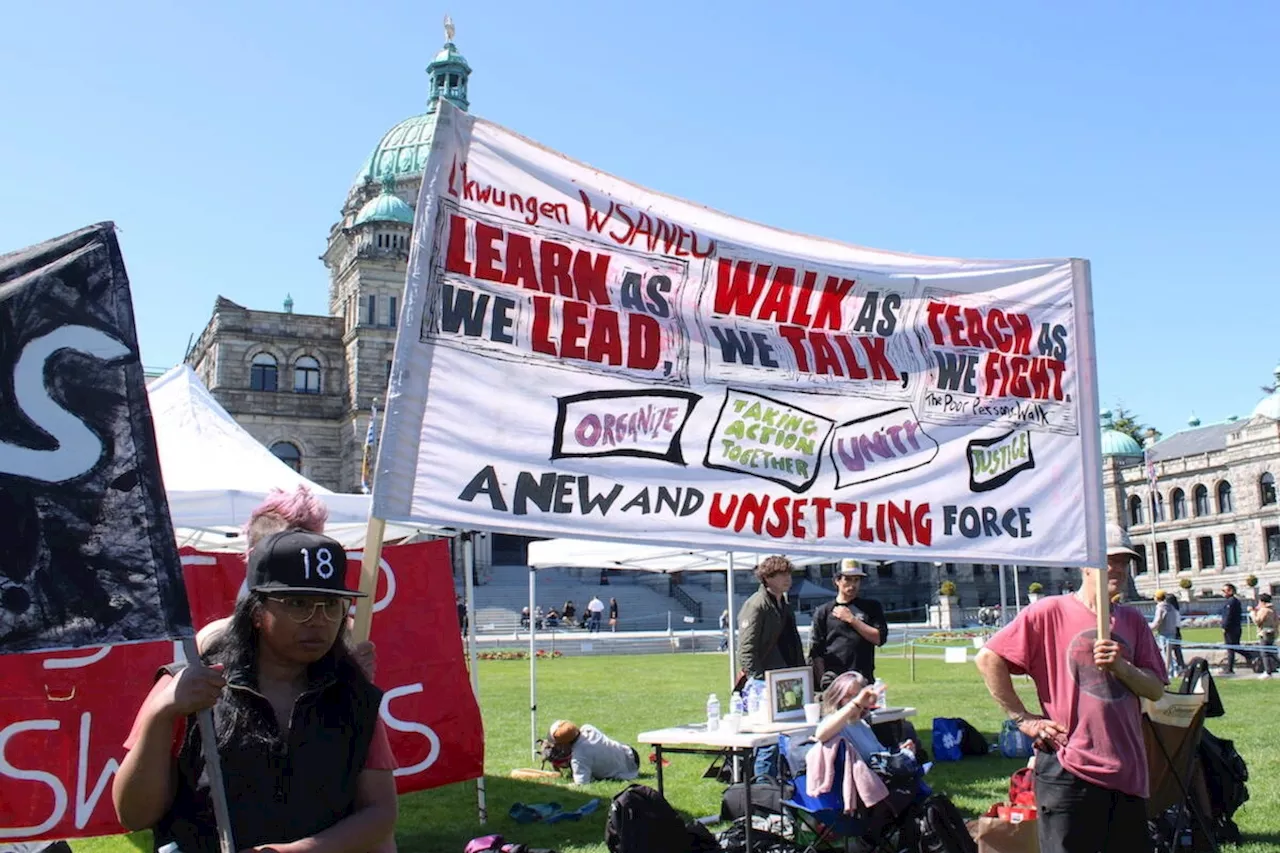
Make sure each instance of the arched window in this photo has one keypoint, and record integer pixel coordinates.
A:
(1179, 504)
(1267, 489)
(306, 375)
(1224, 497)
(1201, 500)
(1157, 507)
(263, 373)
(1135, 510)
(289, 454)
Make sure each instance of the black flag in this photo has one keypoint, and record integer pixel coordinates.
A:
(87, 552)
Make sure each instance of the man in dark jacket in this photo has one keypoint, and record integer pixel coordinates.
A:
(767, 633)
(847, 631)
(768, 638)
(1232, 620)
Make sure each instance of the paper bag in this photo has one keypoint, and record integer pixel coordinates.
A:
(994, 835)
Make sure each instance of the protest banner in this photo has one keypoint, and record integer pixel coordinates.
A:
(65, 715)
(579, 356)
(87, 553)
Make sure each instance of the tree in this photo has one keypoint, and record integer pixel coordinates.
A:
(1125, 421)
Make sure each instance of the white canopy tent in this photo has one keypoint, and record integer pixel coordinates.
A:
(215, 472)
(588, 554)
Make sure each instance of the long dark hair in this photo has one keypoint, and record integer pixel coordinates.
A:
(236, 648)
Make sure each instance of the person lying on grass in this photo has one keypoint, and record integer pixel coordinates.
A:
(595, 755)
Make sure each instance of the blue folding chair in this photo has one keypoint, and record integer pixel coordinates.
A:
(820, 821)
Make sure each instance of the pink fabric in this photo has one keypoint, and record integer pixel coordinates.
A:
(858, 784)
(1052, 642)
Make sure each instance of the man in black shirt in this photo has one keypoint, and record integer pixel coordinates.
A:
(1232, 622)
(847, 631)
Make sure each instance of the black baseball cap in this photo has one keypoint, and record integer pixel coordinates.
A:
(299, 561)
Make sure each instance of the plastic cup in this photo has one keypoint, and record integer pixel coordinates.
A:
(812, 713)
(731, 724)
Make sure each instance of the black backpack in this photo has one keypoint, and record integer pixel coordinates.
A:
(971, 740)
(940, 828)
(641, 821)
(1225, 774)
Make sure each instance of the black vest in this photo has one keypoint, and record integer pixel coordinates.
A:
(302, 785)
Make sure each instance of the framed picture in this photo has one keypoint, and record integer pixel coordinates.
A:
(788, 691)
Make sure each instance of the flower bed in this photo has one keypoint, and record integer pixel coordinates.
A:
(507, 655)
(950, 636)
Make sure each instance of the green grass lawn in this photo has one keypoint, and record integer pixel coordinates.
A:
(625, 695)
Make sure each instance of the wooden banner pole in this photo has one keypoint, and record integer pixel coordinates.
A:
(369, 578)
(1102, 596)
(212, 763)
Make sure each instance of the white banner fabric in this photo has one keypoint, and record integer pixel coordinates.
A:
(579, 356)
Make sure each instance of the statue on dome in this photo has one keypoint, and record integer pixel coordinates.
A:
(448, 28)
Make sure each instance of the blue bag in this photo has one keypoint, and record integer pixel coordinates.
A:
(1013, 743)
(947, 737)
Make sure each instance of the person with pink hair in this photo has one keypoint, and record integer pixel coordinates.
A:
(846, 703)
(280, 511)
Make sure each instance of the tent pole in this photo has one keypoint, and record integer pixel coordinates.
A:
(1004, 599)
(733, 617)
(1017, 596)
(533, 663)
(468, 581)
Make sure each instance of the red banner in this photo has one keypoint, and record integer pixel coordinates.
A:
(65, 715)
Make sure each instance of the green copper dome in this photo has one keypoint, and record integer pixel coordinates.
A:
(404, 148)
(1116, 443)
(386, 206)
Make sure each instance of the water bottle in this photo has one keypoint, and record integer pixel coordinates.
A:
(753, 699)
(713, 713)
(736, 705)
(880, 688)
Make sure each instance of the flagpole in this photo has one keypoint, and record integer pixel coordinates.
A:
(212, 764)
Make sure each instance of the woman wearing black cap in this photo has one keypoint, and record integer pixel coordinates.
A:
(305, 758)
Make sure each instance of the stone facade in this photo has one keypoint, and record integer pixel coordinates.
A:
(1197, 535)
(307, 418)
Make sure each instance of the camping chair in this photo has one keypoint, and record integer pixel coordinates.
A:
(1172, 729)
(821, 819)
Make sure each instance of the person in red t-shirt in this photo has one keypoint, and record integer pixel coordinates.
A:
(1091, 763)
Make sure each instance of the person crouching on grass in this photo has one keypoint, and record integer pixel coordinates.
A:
(1090, 760)
(305, 758)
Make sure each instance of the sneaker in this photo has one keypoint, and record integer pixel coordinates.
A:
(1262, 675)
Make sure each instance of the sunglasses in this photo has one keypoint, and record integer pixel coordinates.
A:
(302, 609)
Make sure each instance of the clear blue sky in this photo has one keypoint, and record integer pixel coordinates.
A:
(222, 137)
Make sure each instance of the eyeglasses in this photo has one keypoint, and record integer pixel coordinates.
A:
(302, 609)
